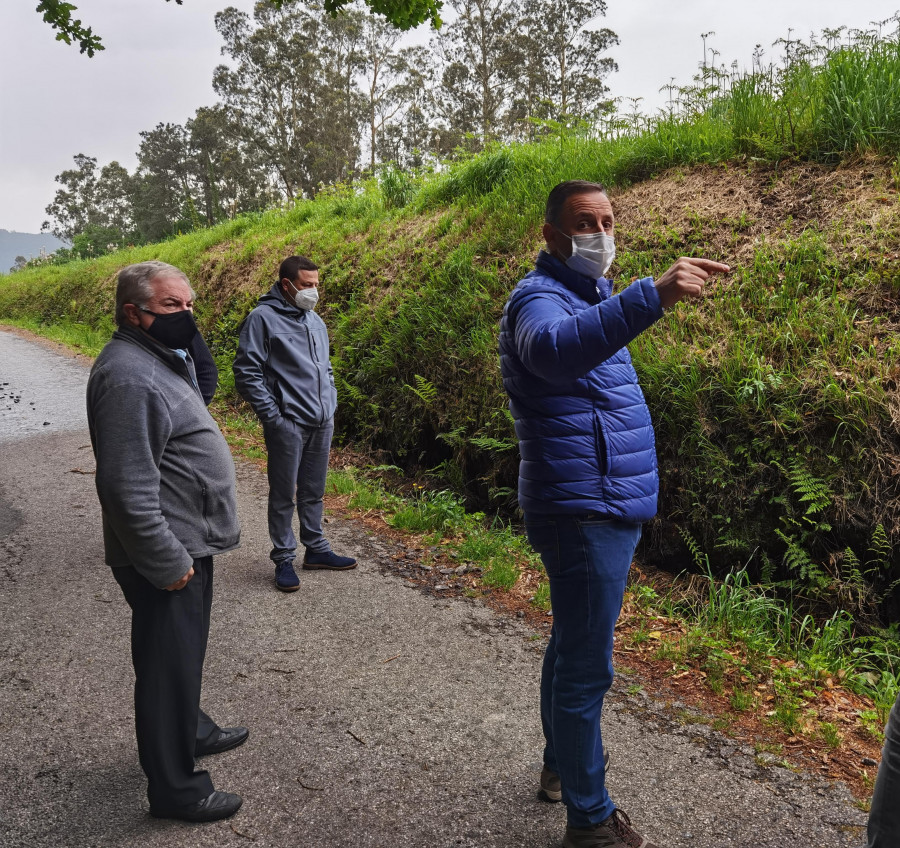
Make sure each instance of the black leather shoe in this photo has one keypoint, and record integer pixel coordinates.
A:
(229, 737)
(219, 805)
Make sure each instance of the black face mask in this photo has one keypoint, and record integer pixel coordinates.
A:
(172, 329)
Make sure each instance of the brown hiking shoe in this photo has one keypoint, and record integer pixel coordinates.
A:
(615, 832)
(551, 788)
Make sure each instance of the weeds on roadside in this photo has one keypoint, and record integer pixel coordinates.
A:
(747, 641)
(84, 338)
(495, 548)
(830, 734)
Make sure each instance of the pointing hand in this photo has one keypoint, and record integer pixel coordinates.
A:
(686, 278)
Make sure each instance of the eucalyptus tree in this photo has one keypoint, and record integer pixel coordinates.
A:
(92, 198)
(230, 177)
(72, 205)
(332, 137)
(165, 185)
(407, 135)
(562, 63)
(480, 59)
(384, 74)
(291, 91)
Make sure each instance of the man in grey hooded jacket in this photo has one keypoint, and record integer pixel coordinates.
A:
(166, 484)
(283, 370)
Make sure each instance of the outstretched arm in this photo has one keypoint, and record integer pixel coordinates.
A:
(560, 347)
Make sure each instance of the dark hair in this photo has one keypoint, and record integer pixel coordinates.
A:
(293, 265)
(561, 193)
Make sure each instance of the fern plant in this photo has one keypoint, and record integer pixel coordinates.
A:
(880, 550)
(812, 491)
(425, 390)
(701, 561)
(766, 569)
(798, 562)
(492, 445)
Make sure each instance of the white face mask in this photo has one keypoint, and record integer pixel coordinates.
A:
(306, 299)
(592, 254)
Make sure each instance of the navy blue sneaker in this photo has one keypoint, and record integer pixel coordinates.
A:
(286, 578)
(329, 560)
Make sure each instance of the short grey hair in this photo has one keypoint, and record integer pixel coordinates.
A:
(135, 284)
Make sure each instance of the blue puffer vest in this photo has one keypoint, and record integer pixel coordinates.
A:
(585, 435)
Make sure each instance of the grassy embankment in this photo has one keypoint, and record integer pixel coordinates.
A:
(776, 400)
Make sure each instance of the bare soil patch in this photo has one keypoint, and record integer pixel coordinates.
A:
(735, 206)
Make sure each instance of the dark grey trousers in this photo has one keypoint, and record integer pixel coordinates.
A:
(169, 631)
(298, 465)
(884, 816)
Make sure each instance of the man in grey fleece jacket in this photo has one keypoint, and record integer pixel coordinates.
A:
(166, 483)
(282, 369)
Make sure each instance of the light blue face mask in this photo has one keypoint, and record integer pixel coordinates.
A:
(592, 254)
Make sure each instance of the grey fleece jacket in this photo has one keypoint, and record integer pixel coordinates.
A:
(282, 367)
(165, 476)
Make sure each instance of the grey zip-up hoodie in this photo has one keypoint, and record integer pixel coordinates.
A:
(282, 367)
(165, 476)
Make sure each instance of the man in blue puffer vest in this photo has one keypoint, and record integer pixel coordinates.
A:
(587, 477)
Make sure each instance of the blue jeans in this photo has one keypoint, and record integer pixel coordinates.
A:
(297, 468)
(884, 816)
(587, 561)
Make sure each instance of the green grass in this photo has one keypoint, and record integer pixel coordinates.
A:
(740, 635)
(428, 511)
(741, 700)
(468, 538)
(541, 597)
(830, 734)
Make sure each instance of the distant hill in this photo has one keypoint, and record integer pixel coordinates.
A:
(29, 245)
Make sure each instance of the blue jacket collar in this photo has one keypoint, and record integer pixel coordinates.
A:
(587, 288)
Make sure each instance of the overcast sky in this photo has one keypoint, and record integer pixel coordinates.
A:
(159, 59)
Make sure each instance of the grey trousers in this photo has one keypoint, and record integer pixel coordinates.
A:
(884, 816)
(298, 465)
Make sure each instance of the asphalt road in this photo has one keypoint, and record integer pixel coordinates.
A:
(379, 714)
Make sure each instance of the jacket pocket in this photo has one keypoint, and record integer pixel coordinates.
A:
(320, 346)
(204, 501)
(600, 445)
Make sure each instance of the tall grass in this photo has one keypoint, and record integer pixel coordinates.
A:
(859, 109)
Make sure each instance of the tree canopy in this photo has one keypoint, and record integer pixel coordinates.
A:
(308, 100)
(402, 14)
